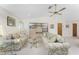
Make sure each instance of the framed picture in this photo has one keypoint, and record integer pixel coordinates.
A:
(67, 26)
(10, 21)
(52, 26)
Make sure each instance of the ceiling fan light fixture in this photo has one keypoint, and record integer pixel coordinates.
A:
(56, 12)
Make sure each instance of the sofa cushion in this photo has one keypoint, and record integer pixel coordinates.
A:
(54, 38)
(51, 37)
(60, 39)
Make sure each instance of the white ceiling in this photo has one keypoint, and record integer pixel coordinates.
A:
(25, 11)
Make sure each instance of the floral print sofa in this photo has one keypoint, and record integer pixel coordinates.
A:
(55, 44)
(13, 42)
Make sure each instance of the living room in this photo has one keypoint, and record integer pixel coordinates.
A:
(26, 23)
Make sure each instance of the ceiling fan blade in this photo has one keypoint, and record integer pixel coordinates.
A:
(59, 13)
(50, 7)
(53, 14)
(61, 9)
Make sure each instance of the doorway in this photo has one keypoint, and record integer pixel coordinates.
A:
(60, 28)
(74, 29)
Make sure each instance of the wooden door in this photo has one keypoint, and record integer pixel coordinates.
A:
(74, 29)
(60, 28)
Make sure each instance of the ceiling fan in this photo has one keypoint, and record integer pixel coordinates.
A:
(55, 10)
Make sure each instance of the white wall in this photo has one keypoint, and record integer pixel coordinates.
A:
(7, 29)
(69, 16)
(67, 32)
(3, 21)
